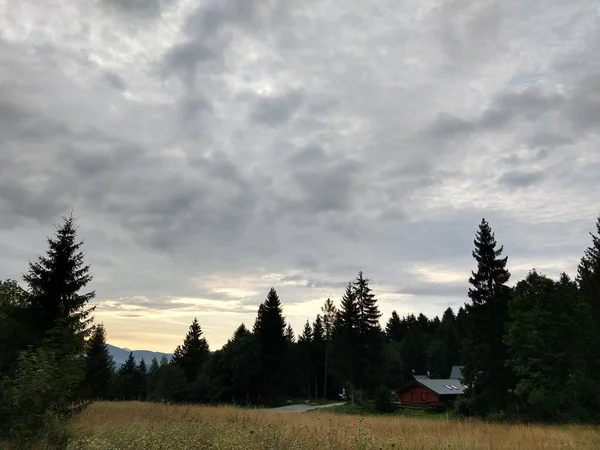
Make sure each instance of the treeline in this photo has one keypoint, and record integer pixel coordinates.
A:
(530, 352)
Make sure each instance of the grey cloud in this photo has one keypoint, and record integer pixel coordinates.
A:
(115, 81)
(185, 58)
(547, 139)
(388, 156)
(143, 8)
(277, 109)
(583, 109)
(529, 105)
(437, 289)
(521, 179)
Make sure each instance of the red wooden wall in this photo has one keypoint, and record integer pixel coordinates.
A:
(419, 395)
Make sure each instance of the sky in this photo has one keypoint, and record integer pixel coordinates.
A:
(213, 149)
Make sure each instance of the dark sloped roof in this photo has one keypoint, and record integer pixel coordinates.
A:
(443, 387)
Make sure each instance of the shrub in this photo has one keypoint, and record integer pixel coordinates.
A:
(383, 401)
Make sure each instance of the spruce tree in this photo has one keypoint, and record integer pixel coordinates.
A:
(395, 330)
(141, 380)
(289, 334)
(193, 353)
(269, 329)
(345, 341)
(329, 312)
(59, 312)
(485, 355)
(448, 335)
(318, 352)
(588, 281)
(241, 332)
(98, 365)
(305, 350)
(127, 379)
(368, 311)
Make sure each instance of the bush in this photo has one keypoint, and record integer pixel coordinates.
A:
(383, 401)
(438, 408)
(38, 399)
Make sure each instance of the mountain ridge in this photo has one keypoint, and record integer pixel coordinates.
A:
(120, 354)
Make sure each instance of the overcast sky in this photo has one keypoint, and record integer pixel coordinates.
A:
(213, 149)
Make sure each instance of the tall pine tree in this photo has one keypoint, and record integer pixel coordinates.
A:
(485, 371)
(59, 312)
(98, 365)
(329, 311)
(193, 353)
(269, 329)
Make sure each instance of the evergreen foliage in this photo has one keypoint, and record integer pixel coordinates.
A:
(98, 365)
(485, 370)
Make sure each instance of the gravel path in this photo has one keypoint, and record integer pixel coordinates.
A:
(303, 408)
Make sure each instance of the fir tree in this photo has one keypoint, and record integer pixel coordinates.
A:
(345, 341)
(241, 332)
(588, 280)
(193, 353)
(269, 330)
(318, 351)
(329, 313)
(395, 330)
(485, 355)
(368, 312)
(141, 380)
(98, 365)
(127, 379)
(305, 348)
(128, 367)
(289, 334)
(54, 282)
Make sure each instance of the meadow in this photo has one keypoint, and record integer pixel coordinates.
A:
(133, 425)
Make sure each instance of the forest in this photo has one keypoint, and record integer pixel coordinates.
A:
(530, 349)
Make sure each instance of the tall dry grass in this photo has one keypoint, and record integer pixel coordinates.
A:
(138, 426)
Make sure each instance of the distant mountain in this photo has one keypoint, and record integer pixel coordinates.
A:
(119, 355)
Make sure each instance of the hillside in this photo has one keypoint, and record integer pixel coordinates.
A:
(119, 355)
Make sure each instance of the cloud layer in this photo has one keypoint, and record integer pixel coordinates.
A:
(212, 149)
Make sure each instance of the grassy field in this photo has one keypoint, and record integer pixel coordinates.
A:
(132, 425)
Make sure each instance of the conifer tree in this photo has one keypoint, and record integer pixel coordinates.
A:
(141, 380)
(126, 379)
(305, 350)
(269, 329)
(329, 312)
(485, 355)
(318, 352)
(55, 282)
(193, 353)
(98, 365)
(395, 330)
(345, 341)
(588, 281)
(289, 334)
(368, 311)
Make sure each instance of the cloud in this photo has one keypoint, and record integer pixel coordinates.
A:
(276, 109)
(215, 149)
(521, 179)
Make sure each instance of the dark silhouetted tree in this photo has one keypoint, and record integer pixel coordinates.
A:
(98, 365)
(485, 370)
(193, 353)
(269, 330)
(59, 311)
(329, 312)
